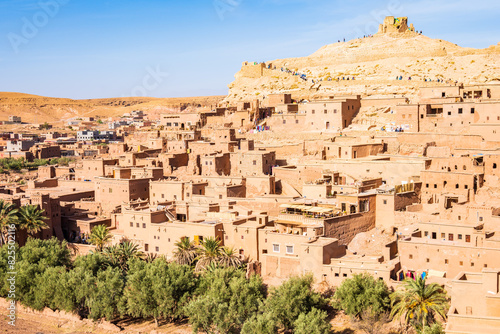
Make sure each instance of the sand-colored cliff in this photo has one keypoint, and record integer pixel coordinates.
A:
(374, 62)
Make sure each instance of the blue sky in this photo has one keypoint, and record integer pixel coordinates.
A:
(98, 49)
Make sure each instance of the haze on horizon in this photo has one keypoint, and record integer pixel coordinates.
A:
(94, 49)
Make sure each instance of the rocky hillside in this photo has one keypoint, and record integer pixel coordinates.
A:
(38, 109)
(374, 63)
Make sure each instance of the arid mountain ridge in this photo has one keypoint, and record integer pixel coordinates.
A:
(37, 109)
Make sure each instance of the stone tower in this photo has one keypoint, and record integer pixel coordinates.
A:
(395, 25)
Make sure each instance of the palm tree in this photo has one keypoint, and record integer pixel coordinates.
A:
(185, 251)
(100, 236)
(31, 219)
(119, 255)
(419, 302)
(210, 252)
(8, 216)
(229, 258)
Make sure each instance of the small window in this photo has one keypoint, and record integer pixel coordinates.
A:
(337, 274)
(443, 235)
(427, 260)
(472, 110)
(472, 264)
(344, 275)
(385, 201)
(131, 224)
(450, 237)
(143, 225)
(461, 263)
(254, 162)
(445, 261)
(460, 110)
(426, 233)
(410, 256)
(467, 238)
(459, 237)
(157, 248)
(289, 249)
(276, 248)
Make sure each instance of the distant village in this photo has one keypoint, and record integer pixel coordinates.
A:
(419, 196)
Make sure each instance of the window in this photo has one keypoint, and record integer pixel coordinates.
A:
(427, 185)
(450, 237)
(326, 111)
(289, 249)
(344, 275)
(131, 224)
(434, 235)
(472, 110)
(445, 261)
(459, 237)
(467, 238)
(427, 260)
(146, 247)
(449, 113)
(426, 233)
(385, 201)
(157, 248)
(276, 248)
(255, 162)
(494, 166)
(443, 94)
(472, 264)
(296, 121)
(337, 274)
(284, 121)
(143, 225)
(110, 190)
(410, 256)
(460, 110)
(242, 237)
(313, 112)
(435, 186)
(443, 235)
(136, 224)
(461, 263)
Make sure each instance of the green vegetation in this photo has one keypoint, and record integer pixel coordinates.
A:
(419, 303)
(12, 164)
(360, 294)
(119, 282)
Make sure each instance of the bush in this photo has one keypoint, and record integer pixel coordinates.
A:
(362, 293)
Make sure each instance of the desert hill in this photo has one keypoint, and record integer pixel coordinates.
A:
(38, 109)
(374, 63)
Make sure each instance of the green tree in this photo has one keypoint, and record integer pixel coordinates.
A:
(314, 322)
(8, 217)
(226, 299)
(419, 303)
(34, 259)
(185, 251)
(158, 289)
(292, 298)
(260, 324)
(100, 237)
(209, 253)
(361, 293)
(105, 294)
(31, 219)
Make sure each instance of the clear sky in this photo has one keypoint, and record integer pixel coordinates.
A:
(98, 48)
